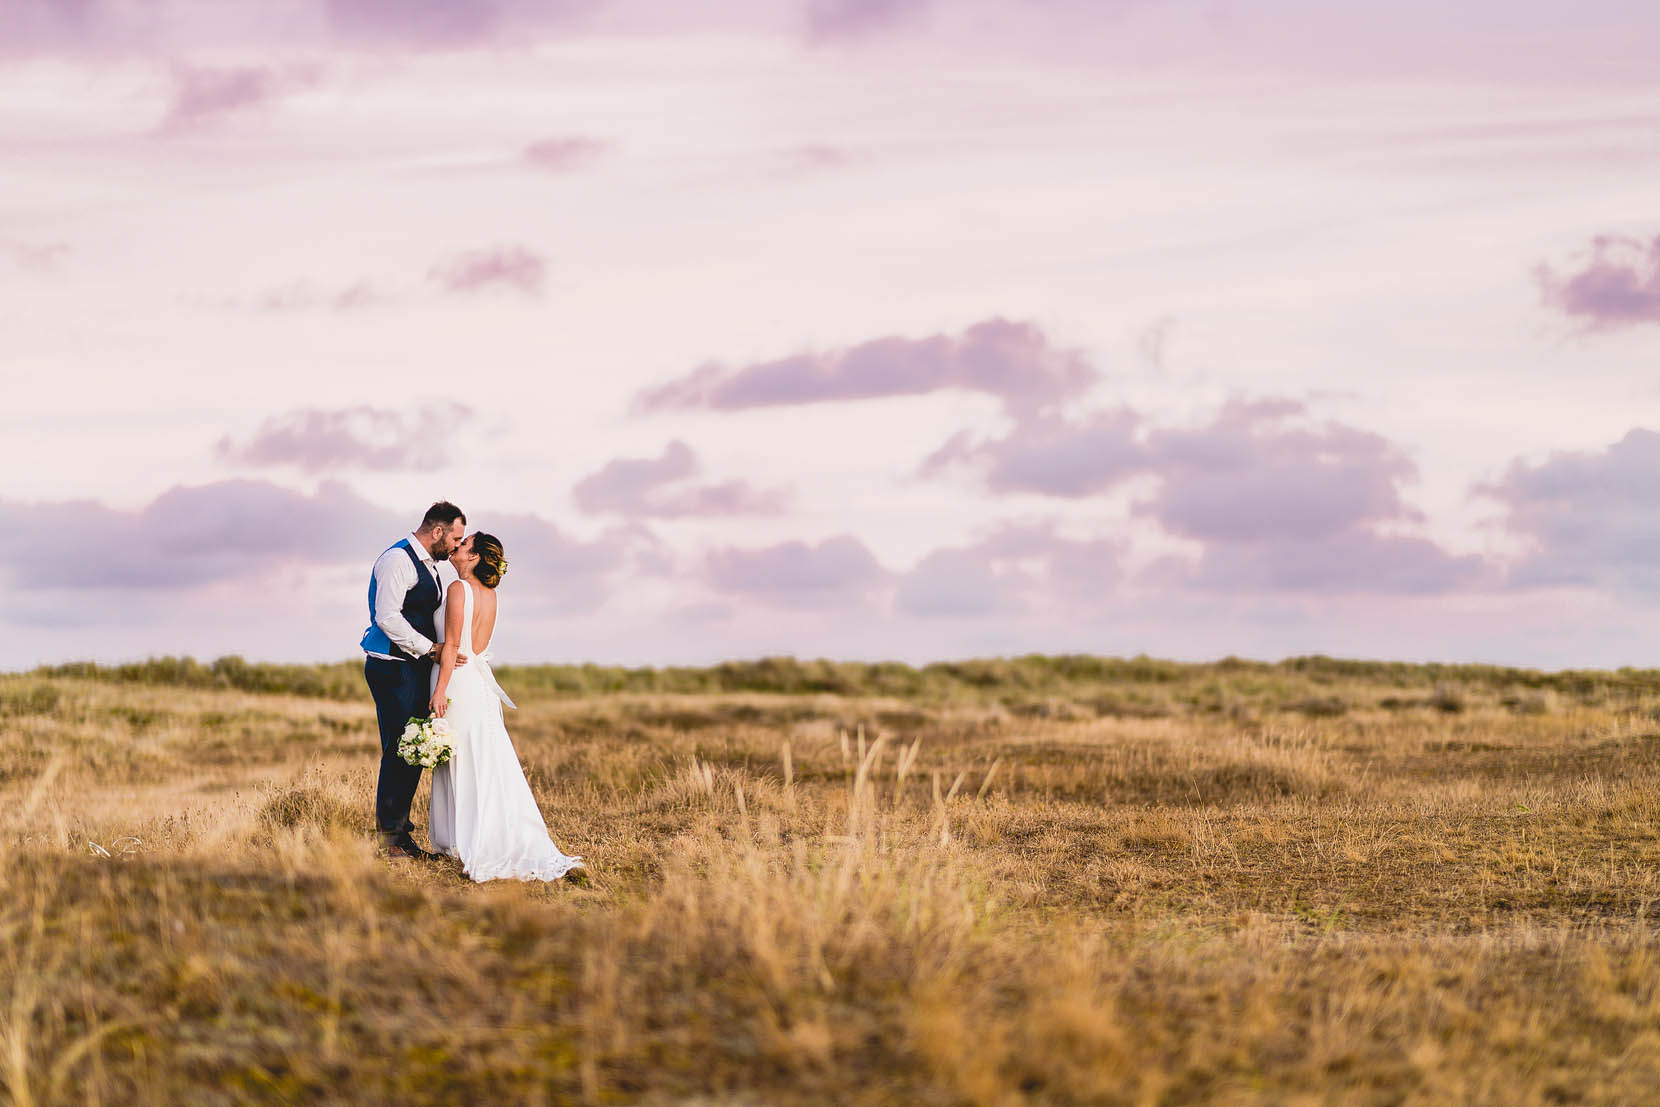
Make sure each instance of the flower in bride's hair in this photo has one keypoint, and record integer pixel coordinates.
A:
(503, 565)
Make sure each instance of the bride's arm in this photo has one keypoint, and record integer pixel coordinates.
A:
(454, 611)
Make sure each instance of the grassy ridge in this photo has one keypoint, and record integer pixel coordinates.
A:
(1033, 674)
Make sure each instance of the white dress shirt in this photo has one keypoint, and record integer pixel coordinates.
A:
(394, 577)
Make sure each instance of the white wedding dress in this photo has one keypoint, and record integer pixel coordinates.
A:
(482, 809)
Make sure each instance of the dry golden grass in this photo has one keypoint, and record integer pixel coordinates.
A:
(1250, 886)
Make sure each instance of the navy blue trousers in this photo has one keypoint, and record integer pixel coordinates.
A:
(402, 691)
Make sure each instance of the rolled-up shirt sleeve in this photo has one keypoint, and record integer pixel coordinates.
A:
(394, 577)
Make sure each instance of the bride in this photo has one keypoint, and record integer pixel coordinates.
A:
(482, 809)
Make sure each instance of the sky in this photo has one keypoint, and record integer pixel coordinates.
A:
(865, 329)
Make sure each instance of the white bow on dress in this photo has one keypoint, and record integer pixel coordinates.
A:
(482, 660)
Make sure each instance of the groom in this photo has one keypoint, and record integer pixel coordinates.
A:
(404, 592)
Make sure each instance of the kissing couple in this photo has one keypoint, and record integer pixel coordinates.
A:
(432, 618)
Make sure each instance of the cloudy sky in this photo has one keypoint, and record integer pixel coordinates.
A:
(848, 328)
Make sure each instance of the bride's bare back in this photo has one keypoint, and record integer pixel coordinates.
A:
(484, 617)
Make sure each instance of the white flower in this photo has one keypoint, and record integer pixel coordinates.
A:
(427, 743)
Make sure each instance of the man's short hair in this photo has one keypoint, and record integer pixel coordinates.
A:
(442, 512)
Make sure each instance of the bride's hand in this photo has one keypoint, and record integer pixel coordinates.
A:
(440, 703)
(460, 660)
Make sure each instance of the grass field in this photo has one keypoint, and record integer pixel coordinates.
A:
(1042, 880)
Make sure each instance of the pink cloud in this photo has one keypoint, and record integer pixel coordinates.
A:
(1355, 561)
(1051, 455)
(191, 536)
(1249, 472)
(203, 94)
(657, 487)
(561, 155)
(512, 267)
(553, 572)
(1275, 503)
(1592, 517)
(1618, 287)
(1251, 476)
(962, 582)
(37, 257)
(1281, 506)
(627, 479)
(303, 296)
(732, 497)
(53, 24)
(816, 155)
(165, 27)
(315, 440)
(837, 572)
(1013, 361)
(829, 20)
(1015, 571)
(450, 24)
(423, 23)
(1520, 40)
(236, 533)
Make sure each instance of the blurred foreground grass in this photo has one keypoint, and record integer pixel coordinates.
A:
(1040, 880)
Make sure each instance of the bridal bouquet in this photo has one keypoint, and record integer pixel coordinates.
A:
(426, 742)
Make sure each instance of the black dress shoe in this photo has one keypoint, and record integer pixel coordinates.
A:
(404, 846)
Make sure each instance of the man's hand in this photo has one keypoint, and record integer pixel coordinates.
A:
(437, 654)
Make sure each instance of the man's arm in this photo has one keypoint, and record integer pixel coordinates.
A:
(394, 577)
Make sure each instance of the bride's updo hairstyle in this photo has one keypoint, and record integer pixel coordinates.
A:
(492, 562)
